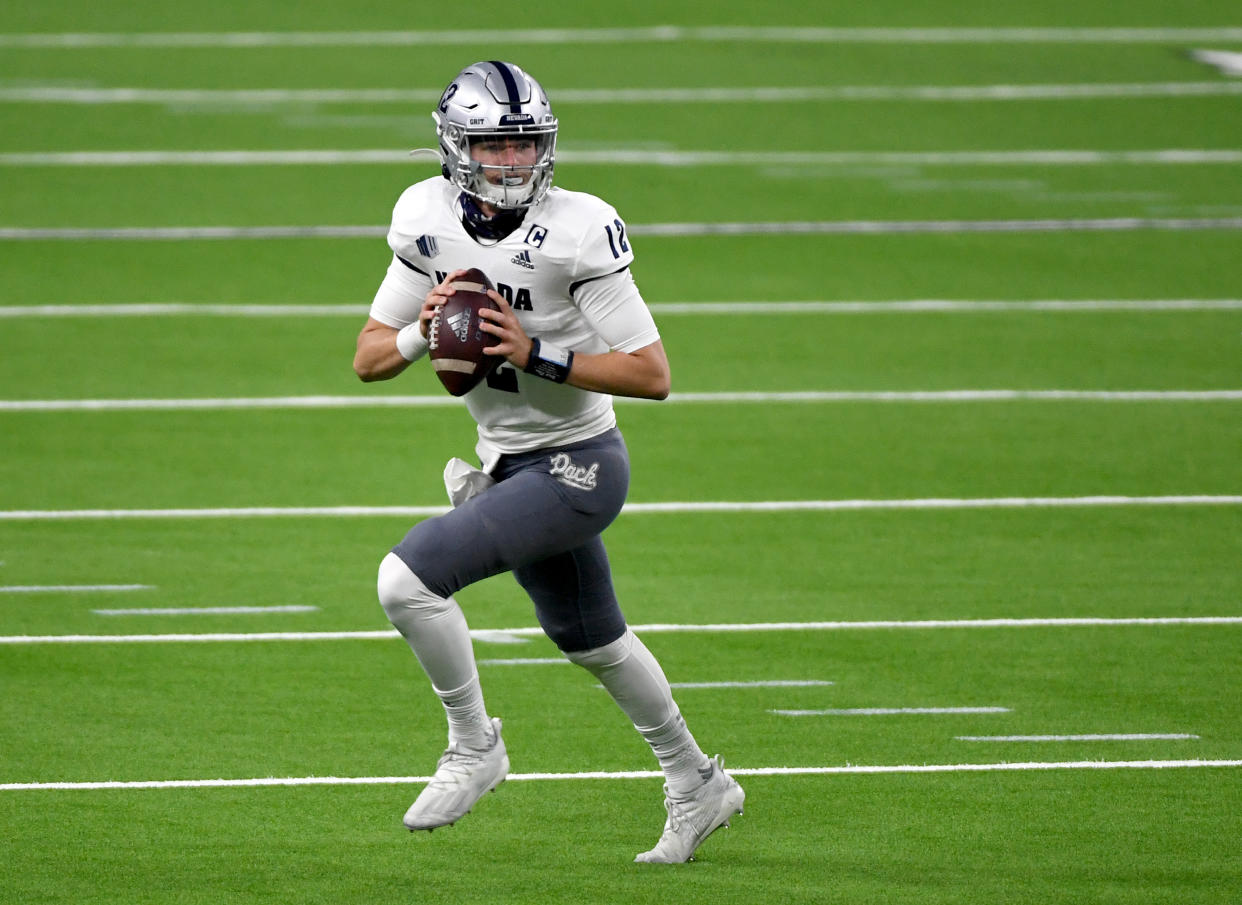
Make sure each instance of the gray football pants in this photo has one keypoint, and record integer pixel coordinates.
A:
(541, 521)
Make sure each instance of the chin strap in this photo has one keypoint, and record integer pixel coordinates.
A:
(491, 229)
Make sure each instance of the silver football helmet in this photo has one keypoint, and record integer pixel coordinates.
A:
(496, 102)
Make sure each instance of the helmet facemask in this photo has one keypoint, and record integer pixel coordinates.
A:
(509, 169)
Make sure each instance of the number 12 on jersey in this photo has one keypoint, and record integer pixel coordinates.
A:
(619, 240)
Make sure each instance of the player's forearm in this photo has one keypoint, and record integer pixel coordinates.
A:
(643, 374)
(377, 356)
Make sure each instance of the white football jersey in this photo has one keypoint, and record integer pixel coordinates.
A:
(565, 271)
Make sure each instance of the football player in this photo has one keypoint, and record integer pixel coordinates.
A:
(572, 330)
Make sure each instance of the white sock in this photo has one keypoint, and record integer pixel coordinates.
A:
(436, 630)
(468, 723)
(631, 674)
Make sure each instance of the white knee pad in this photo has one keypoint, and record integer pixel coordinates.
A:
(433, 626)
(404, 597)
(629, 672)
(599, 659)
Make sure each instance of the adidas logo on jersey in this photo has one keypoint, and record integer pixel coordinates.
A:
(427, 246)
(522, 259)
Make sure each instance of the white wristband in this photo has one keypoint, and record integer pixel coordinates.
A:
(411, 343)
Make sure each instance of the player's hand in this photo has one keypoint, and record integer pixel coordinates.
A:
(435, 301)
(514, 344)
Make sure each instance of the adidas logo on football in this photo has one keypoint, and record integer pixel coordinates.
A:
(522, 259)
(459, 323)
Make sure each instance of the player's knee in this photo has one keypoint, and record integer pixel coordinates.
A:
(402, 594)
(598, 659)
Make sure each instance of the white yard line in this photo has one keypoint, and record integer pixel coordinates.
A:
(768, 683)
(25, 515)
(1107, 737)
(509, 635)
(206, 611)
(854, 769)
(935, 93)
(762, 683)
(664, 309)
(630, 157)
(165, 309)
(281, 402)
(762, 398)
(495, 637)
(525, 661)
(785, 94)
(664, 230)
(206, 638)
(949, 306)
(931, 503)
(190, 233)
(239, 512)
(655, 34)
(73, 588)
(963, 396)
(891, 711)
(1167, 156)
(935, 624)
(933, 227)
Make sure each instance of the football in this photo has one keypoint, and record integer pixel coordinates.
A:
(456, 340)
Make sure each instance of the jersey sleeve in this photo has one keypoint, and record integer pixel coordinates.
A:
(616, 311)
(408, 280)
(400, 295)
(603, 288)
(603, 247)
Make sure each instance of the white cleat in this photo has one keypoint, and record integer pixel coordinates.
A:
(462, 777)
(695, 817)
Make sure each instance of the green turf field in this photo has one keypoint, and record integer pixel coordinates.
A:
(950, 294)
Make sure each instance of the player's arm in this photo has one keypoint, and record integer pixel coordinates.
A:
(603, 290)
(377, 356)
(384, 349)
(643, 372)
